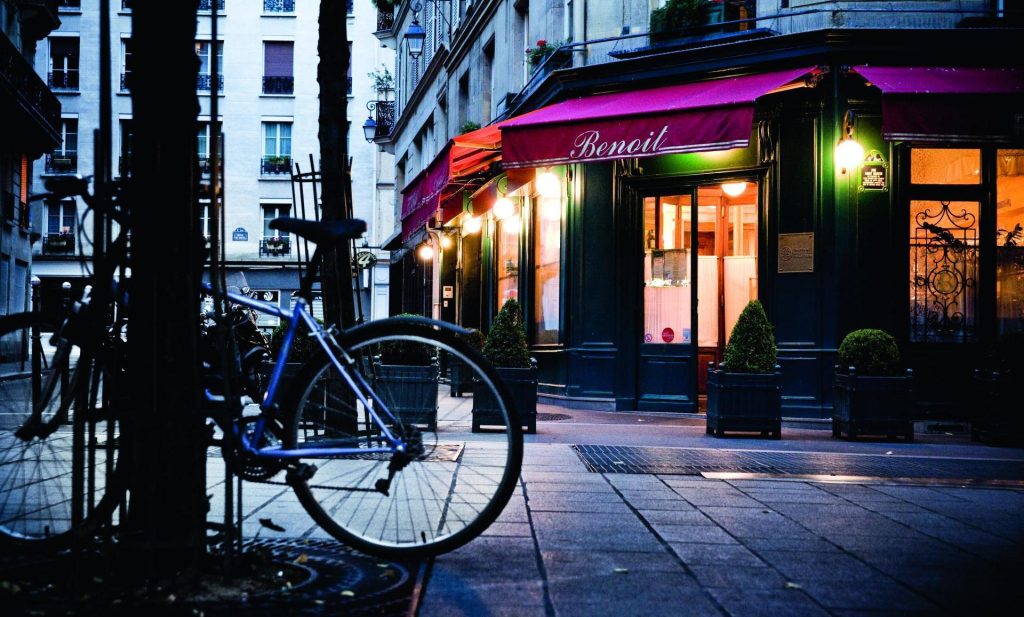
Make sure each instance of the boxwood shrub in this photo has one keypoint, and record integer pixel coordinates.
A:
(506, 342)
(870, 352)
(751, 347)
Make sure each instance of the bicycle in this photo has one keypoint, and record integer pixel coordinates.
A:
(379, 483)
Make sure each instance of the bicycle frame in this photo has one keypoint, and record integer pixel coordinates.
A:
(356, 383)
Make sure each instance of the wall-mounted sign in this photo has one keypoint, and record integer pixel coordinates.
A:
(365, 260)
(239, 235)
(448, 291)
(874, 172)
(796, 253)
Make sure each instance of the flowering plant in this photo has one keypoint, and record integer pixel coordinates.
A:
(541, 51)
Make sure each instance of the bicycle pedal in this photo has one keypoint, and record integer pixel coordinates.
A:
(303, 472)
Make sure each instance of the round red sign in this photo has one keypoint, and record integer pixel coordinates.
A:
(668, 335)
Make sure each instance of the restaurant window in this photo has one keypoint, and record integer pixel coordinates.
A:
(1009, 241)
(547, 262)
(668, 245)
(945, 166)
(508, 259)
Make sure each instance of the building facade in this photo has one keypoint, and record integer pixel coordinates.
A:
(635, 189)
(268, 106)
(31, 120)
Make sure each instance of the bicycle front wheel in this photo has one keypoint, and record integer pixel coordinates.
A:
(45, 432)
(453, 483)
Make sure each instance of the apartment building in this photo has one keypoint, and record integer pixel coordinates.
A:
(268, 99)
(639, 178)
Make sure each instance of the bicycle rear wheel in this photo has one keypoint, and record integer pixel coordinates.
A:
(453, 484)
(44, 432)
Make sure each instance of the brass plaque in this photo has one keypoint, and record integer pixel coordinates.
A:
(796, 253)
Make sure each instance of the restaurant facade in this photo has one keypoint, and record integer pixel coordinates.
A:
(844, 178)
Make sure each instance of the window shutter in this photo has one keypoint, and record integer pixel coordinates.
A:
(277, 58)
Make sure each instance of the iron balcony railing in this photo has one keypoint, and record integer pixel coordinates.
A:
(62, 163)
(206, 5)
(278, 84)
(125, 81)
(69, 4)
(65, 80)
(278, 6)
(206, 81)
(20, 83)
(351, 6)
(59, 244)
(384, 112)
(275, 245)
(275, 165)
(385, 20)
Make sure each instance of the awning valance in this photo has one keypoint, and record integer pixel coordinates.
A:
(707, 115)
(943, 104)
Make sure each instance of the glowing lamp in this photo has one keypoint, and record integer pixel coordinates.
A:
(504, 208)
(551, 209)
(548, 184)
(446, 242)
(512, 224)
(849, 154)
(426, 252)
(472, 225)
(734, 189)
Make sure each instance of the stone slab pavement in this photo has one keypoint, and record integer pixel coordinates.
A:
(573, 542)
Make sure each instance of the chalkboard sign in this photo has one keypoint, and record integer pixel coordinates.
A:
(240, 235)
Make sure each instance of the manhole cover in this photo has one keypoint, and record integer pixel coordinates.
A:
(552, 417)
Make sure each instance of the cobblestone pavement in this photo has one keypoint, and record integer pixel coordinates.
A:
(579, 540)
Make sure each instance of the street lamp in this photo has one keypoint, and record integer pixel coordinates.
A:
(415, 35)
(370, 129)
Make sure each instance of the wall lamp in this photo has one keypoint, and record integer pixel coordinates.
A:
(425, 251)
(472, 224)
(415, 34)
(370, 129)
(849, 153)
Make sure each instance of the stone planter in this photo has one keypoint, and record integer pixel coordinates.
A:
(744, 402)
(997, 420)
(870, 405)
(522, 384)
(409, 392)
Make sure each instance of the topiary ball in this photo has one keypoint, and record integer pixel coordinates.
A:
(751, 347)
(870, 352)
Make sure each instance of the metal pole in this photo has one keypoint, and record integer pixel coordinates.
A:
(36, 347)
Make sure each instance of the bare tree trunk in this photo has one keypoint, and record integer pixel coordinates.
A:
(164, 444)
(333, 50)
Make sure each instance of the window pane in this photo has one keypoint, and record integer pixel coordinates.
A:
(1010, 241)
(547, 264)
(945, 166)
(508, 259)
(943, 270)
(667, 280)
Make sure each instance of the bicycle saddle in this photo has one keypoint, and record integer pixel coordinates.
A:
(321, 232)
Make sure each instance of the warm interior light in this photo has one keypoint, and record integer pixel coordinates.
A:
(472, 225)
(426, 252)
(734, 189)
(446, 242)
(551, 209)
(548, 184)
(512, 224)
(849, 154)
(504, 208)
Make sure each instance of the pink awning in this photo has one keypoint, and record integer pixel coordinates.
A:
(420, 198)
(940, 104)
(707, 115)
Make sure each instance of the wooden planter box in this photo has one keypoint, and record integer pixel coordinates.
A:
(998, 420)
(868, 405)
(410, 392)
(522, 384)
(460, 378)
(744, 402)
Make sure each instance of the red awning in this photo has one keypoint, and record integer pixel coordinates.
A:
(939, 104)
(706, 115)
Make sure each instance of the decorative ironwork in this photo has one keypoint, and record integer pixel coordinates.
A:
(278, 84)
(62, 163)
(125, 79)
(66, 80)
(275, 245)
(28, 89)
(58, 244)
(384, 116)
(944, 270)
(275, 165)
(206, 5)
(278, 6)
(351, 6)
(385, 20)
(205, 82)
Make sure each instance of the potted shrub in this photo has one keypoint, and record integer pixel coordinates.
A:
(998, 421)
(745, 391)
(506, 348)
(303, 348)
(459, 379)
(406, 379)
(872, 395)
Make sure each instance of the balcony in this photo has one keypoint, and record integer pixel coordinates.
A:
(205, 82)
(206, 5)
(14, 209)
(351, 6)
(384, 112)
(60, 163)
(63, 81)
(385, 20)
(275, 246)
(59, 244)
(69, 5)
(278, 84)
(125, 81)
(23, 88)
(278, 6)
(275, 165)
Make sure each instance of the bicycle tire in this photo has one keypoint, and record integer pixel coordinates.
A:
(455, 487)
(41, 424)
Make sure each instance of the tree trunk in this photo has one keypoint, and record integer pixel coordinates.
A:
(163, 443)
(332, 47)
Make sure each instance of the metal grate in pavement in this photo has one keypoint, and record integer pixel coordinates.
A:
(552, 417)
(695, 461)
